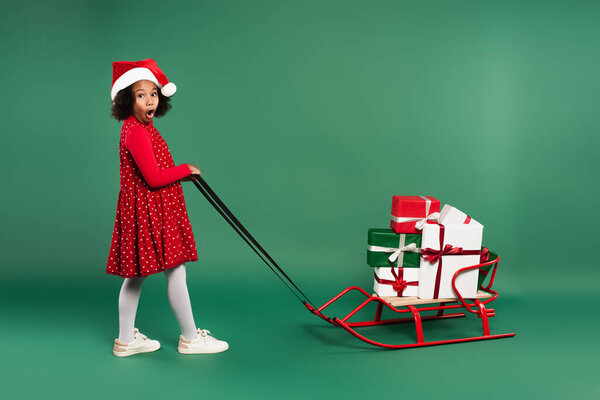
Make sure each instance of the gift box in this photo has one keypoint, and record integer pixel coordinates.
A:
(395, 259)
(452, 215)
(396, 281)
(386, 248)
(409, 213)
(445, 250)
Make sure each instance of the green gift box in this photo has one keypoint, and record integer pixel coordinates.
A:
(403, 248)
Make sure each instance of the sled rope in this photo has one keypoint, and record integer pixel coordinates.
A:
(222, 209)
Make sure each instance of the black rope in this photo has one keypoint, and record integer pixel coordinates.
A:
(243, 229)
(222, 209)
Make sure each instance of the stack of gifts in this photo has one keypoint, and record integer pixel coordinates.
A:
(424, 249)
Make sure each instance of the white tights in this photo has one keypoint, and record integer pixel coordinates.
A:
(179, 300)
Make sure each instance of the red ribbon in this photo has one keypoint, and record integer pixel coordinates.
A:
(485, 256)
(398, 284)
(434, 256)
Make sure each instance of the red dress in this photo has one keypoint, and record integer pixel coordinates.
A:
(152, 230)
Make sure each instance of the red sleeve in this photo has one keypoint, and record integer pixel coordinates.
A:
(140, 146)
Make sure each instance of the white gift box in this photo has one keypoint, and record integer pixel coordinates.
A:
(452, 215)
(410, 275)
(463, 238)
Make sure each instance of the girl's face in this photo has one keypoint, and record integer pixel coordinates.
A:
(146, 101)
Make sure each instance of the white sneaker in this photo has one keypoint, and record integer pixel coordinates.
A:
(203, 344)
(140, 344)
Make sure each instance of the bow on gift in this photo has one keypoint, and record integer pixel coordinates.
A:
(433, 256)
(485, 255)
(410, 247)
(399, 284)
(396, 252)
(431, 217)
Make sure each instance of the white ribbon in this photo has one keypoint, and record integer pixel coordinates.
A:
(427, 204)
(431, 217)
(412, 247)
(420, 221)
(397, 252)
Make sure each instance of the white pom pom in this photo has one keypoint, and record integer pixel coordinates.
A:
(169, 89)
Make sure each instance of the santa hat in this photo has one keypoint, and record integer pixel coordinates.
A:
(126, 73)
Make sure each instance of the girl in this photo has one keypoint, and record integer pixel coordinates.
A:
(152, 231)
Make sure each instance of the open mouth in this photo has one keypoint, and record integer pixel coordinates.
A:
(150, 113)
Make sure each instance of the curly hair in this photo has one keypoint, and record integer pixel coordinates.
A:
(122, 106)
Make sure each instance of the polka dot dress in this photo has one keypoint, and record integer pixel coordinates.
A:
(152, 230)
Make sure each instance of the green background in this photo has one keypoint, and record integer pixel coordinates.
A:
(305, 117)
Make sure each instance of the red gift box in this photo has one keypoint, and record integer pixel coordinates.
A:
(409, 213)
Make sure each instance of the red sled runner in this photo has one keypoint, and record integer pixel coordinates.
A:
(412, 307)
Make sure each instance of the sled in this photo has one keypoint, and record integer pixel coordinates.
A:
(411, 308)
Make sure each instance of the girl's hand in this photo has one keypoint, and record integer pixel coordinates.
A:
(195, 171)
